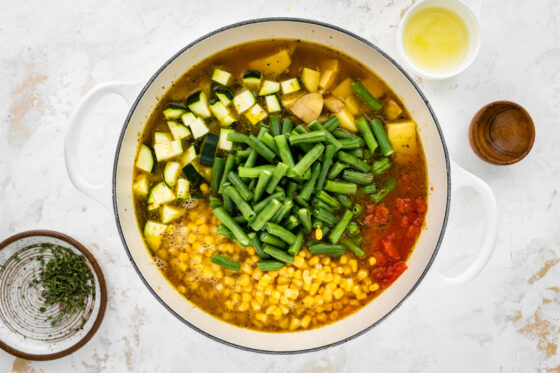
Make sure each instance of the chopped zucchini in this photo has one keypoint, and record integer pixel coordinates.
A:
(174, 111)
(178, 130)
(222, 77)
(153, 231)
(272, 104)
(402, 136)
(329, 71)
(272, 65)
(269, 87)
(224, 143)
(222, 113)
(188, 156)
(224, 95)
(170, 173)
(141, 186)
(198, 128)
(170, 213)
(347, 120)
(198, 103)
(182, 190)
(160, 194)
(188, 118)
(161, 137)
(310, 79)
(193, 176)
(208, 151)
(243, 101)
(256, 114)
(168, 150)
(252, 79)
(145, 160)
(290, 86)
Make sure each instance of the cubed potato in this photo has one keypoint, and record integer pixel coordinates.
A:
(375, 86)
(403, 137)
(273, 65)
(329, 72)
(344, 89)
(347, 120)
(333, 104)
(352, 104)
(392, 109)
(288, 100)
(308, 107)
(310, 79)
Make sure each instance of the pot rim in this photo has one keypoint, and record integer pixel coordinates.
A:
(265, 20)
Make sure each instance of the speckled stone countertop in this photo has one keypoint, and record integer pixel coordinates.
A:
(506, 320)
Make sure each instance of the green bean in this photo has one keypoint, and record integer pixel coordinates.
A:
(305, 218)
(222, 230)
(240, 202)
(365, 129)
(340, 227)
(240, 219)
(278, 254)
(291, 222)
(300, 201)
(381, 165)
(307, 138)
(354, 143)
(352, 246)
(269, 265)
(301, 130)
(366, 96)
(353, 228)
(253, 172)
(264, 178)
(228, 204)
(280, 232)
(310, 184)
(243, 153)
(382, 138)
(261, 148)
(265, 215)
(292, 188)
(287, 125)
(345, 201)
(389, 185)
(296, 246)
(325, 216)
(353, 161)
(279, 172)
(358, 239)
(342, 134)
(283, 211)
(332, 123)
(237, 231)
(284, 150)
(317, 203)
(217, 172)
(328, 199)
(262, 204)
(230, 160)
(237, 137)
(241, 187)
(357, 153)
(222, 261)
(357, 209)
(340, 187)
(329, 138)
(273, 240)
(308, 159)
(336, 169)
(215, 202)
(275, 125)
(330, 150)
(369, 189)
(268, 140)
(357, 177)
(326, 249)
(257, 245)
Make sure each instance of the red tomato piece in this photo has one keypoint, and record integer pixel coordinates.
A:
(369, 219)
(380, 258)
(381, 214)
(390, 248)
(405, 205)
(421, 205)
(370, 208)
(413, 231)
(393, 272)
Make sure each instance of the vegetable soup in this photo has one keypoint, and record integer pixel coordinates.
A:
(280, 185)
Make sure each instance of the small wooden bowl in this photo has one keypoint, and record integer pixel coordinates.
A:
(502, 133)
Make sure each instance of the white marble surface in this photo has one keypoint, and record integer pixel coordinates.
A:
(506, 320)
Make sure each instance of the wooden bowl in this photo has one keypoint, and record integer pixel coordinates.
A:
(502, 133)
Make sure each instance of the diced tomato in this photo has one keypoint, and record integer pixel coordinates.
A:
(408, 219)
(380, 258)
(369, 219)
(390, 248)
(381, 214)
(405, 205)
(421, 205)
(413, 231)
(370, 208)
(393, 272)
(418, 221)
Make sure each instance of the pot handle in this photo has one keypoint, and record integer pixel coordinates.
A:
(99, 192)
(460, 178)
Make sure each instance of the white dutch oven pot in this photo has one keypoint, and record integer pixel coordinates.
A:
(440, 172)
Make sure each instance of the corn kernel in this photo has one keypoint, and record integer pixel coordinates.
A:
(314, 260)
(259, 297)
(338, 293)
(353, 264)
(270, 309)
(291, 294)
(261, 317)
(295, 323)
(244, 279)
(255, 305)
(372, 261)
(343, 259)
(321, 317)
(333, 315)
(204, 188)
(284, 323)
(328, 295)
(274, 297)
(313, 289)
(299, 261)
(305, 321)
(243, 307)
(319, 233)
(362, 274)
(308, 301)
(277, 314)
(337, 305)
(374, 287)
(246, 297)
(354, 303)
(361, 296)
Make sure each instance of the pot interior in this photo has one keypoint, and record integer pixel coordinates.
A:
(436, 160)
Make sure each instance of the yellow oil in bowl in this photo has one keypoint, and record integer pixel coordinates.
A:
(435, 39)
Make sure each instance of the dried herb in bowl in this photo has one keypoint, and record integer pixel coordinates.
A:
(66, 280)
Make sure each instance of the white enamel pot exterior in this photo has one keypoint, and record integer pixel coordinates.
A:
(439, 166)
